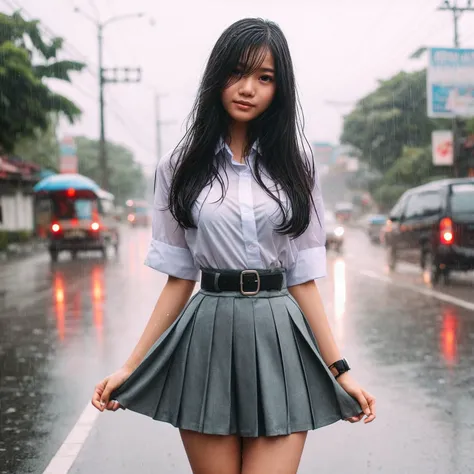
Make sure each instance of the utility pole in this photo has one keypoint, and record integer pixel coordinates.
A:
(102, 147)
(457, 12)
(159, 124)
(120, 75)
(158, 127)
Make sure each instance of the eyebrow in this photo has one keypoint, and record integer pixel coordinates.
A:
(262, 69)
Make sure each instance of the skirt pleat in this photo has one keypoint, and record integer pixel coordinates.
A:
(218, 401)
(238, 365)
(271, 371)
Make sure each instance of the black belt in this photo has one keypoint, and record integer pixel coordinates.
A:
(247, 282)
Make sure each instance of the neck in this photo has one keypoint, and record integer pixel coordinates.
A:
(238, 139)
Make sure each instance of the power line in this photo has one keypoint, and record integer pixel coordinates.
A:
(94, 7)
(76, 54)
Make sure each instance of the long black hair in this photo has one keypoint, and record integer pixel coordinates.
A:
(284, 153)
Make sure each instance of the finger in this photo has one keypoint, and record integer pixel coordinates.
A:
(355, 419)
(110, 405)
(105, 397)
(116, 406)
(99, 388)
(373, 415)
(96, 400)
(363, 403)
(372, 405)
(98, 391)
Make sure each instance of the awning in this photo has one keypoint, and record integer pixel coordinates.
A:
(63, 182)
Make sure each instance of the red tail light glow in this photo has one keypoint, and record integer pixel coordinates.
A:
(446, 231)
(95, 226)
(55, 228)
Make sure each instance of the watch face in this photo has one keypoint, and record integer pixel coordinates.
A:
(342, 365)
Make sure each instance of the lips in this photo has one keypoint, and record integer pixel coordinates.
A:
(244, 103)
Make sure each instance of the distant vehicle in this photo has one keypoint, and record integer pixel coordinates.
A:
(344, 211)
(375, 223)
(334, 232)
(138, 213)
(74, 214)
(434, 223)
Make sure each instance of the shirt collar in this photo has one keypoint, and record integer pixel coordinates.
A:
(222, 145)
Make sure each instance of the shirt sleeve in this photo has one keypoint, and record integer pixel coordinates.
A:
(310, 262)
(168, 252)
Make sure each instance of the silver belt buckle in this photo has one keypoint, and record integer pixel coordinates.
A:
(249, 272)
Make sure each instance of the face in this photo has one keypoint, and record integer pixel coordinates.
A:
(247, 97)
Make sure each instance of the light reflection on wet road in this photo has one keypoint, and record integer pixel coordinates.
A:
(65, 326)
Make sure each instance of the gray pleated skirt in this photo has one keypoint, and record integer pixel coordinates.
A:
(234, 364)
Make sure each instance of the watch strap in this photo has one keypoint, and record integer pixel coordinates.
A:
(341, 367)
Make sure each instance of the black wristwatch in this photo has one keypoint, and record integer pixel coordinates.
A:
(341, 366)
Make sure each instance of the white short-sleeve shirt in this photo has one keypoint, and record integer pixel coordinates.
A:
(237, 232)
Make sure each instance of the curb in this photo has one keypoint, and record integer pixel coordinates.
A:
(18, 251)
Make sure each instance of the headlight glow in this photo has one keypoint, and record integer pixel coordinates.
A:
(339, 231)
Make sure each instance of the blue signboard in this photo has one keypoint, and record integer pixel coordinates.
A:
(450, 83)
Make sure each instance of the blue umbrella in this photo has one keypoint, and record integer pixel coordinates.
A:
(63, 182)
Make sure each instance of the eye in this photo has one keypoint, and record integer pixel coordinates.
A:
(237, 72)
(266, 78)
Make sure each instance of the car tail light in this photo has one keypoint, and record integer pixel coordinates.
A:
(446, 231)
(95, 226)
(131, 218)
(55, 228)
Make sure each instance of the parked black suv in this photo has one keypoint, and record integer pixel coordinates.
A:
(434, 223)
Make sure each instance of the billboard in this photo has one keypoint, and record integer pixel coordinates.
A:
(67, 155)
(323, 152)
(450, 83)
(442, 147)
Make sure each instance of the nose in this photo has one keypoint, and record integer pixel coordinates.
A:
(246, 86)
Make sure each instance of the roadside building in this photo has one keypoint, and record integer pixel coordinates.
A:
(17, 178)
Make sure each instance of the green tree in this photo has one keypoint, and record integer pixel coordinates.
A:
(413, 168)
(26, 62)
(126, 177)
(390, 118)
(42, 148)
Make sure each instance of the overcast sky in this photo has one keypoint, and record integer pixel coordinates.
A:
(340, 49)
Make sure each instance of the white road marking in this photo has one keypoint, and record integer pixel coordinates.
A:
(67, 453)
(424, 291)
(372, 274)
(69, 450)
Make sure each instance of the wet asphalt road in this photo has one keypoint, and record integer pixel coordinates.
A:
(65, 326)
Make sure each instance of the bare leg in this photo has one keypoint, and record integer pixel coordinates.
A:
(273, 455)
(212, 454)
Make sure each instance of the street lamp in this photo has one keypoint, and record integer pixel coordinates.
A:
(100, 29)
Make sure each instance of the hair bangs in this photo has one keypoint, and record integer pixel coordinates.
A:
(245, 53)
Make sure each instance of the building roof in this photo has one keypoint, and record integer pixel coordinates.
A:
(14, 167)
(6, 168)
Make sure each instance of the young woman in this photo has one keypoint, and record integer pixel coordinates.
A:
(249, 364)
